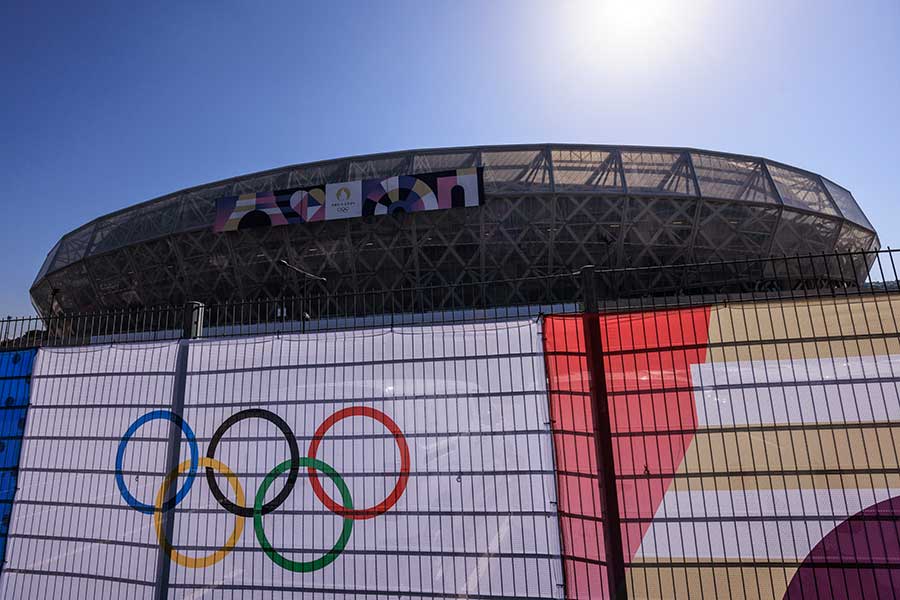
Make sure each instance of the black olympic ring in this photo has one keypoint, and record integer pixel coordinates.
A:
(254, 413)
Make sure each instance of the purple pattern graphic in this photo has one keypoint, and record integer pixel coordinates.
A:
(860, 558)
(404, 193)
(408, 196)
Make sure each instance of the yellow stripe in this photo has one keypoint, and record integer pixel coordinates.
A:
(684, 581)
(785, 480)
(851, 316)
(851, 448)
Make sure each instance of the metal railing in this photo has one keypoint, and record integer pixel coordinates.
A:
(614, 289)
(694, 409)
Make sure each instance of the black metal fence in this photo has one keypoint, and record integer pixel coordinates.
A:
(732, 435)
(612, 290)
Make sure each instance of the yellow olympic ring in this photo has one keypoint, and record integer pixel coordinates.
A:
(204, 561)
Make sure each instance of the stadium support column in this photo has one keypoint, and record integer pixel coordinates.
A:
(606, 470)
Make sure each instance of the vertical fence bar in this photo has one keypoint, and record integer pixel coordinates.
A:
(192, 323)
(606, 469)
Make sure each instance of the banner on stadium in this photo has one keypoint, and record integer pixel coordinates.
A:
(403, 193)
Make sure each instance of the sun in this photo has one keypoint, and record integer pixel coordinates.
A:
(623, 35)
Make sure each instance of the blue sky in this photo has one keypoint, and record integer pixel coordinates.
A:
(110, 104)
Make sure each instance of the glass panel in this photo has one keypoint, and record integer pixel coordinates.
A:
(72, 247)
(732, 178)
(198, 209)
(803, 233)
(847, 204)
(430, 163)
(522, 170)
(47, 262)
(112, 273)
(378, 168)
(585, 231)
(854, 239)
(330, 172)
(135, 225)
(252, 185)
(734, 230)
(74, 290)
(801, 190)
(876, 244)
(658, 231)
(658, 172)
(587, 170)
(852, 267)
(40, 296)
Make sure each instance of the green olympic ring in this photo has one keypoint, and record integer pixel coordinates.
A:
(331, 555)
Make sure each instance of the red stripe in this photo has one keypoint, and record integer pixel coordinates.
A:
(642, 364)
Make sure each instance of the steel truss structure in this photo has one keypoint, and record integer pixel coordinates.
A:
(548, 209)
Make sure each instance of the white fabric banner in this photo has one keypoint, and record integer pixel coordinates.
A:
(438, 437)
(71, 533)
(852, 389)
(343, 200)
(469, 403)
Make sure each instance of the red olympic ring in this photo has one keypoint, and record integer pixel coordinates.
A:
(385, 505)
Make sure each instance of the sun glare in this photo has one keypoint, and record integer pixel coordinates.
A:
(627, 34)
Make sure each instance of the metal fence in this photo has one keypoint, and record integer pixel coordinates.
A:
(568, 292)
(728, 438)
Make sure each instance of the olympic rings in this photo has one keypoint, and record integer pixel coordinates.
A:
(252, 413)
(292, 465)
(120, 457)
(386, 504)
(341, 543)
(205, 561)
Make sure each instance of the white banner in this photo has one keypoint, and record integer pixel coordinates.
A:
(343, 200)
(476, 515)
(852, 389)
(72, 535)
(437, 437)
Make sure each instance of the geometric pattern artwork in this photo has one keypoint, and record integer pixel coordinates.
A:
(408, 194)
(260, 210)
(545, 210)
(878, 574)
(745, 466)
(405, 193)
(637, 411)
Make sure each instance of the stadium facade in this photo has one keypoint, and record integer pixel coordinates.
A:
(445, 217)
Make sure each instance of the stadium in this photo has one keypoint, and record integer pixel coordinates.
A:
(441, 218)
(391, 376)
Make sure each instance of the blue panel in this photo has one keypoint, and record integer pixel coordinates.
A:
(15, 385)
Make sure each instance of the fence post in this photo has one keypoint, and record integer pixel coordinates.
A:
(191, 327)
(192, 323)
(606, 469)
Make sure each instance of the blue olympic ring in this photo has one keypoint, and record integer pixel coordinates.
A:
(165, 415)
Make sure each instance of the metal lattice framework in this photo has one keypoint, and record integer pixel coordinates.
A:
(548, 209)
